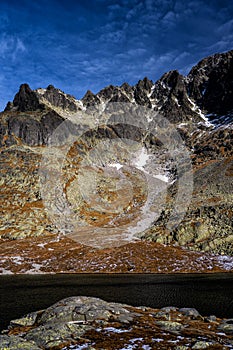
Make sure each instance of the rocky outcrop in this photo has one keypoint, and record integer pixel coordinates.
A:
(210, 84)
(90, 99)
(91, 323)
(25, 100)
(171, 99)
(29, 128)
(57, 98)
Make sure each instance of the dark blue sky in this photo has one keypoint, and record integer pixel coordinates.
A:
(80, 45)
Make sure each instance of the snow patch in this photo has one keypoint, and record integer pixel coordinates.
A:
(115, 330)
(141, 159)
(118, 166)
(35, 269)
(151, 91)
(17, 259)
(41, 91)
(161, 177)
(196, 109)
(5, 271)
(226, 262)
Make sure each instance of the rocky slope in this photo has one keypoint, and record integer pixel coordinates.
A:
(91, 323)
(199, 105)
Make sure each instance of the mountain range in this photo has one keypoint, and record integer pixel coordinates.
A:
(199, 106)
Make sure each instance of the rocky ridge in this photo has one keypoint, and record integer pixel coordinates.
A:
(199, 105)
(91, 323)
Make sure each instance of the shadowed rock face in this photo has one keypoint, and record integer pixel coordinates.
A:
(173, 100)
(90, 99)
(25, 100)
(58, 99)
(29, 128)
(211, 83)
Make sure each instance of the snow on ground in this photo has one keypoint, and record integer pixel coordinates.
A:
(118, 166)
(196, 109)
(141, 159)
(226, 262)
(161, 177)
(5, 271)
(113, 330)
(78, 347)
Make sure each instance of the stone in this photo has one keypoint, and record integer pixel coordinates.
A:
(28, 320)
(211, 318)
(170, 326)
(59, 99)
(201, 345)
(16, 343)
(25, 100)
(51, 335)
(190, 312)
(226, 326)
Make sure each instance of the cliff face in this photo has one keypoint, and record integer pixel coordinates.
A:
(200, 106)
(210, 84)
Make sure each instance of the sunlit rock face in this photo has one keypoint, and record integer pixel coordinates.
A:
(119, 180)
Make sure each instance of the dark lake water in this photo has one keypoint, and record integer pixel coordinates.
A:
(210, 294)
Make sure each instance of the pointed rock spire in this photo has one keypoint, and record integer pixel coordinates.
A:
(25, 100)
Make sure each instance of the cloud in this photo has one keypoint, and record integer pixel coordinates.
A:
(157, 65)
(226, 28)
(11, 46)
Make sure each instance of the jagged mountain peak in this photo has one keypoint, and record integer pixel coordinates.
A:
(90, 99)
(145, 84)
(54, 97)
(25, 100)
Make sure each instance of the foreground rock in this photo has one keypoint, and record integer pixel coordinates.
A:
(91, 323)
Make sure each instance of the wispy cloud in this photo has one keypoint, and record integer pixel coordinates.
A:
(11, 46)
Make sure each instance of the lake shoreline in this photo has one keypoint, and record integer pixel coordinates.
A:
(208, 293)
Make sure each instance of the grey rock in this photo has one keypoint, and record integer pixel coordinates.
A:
(190, 312)
(171, 326)
(16, 343)
(201, 345)
(226, 326)
(27, 320)
(83, 308)
(90, 99)
(25, 100)
(169, 309)
(59, 99)
(211, 84)
(211, 318)
(49, 336)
